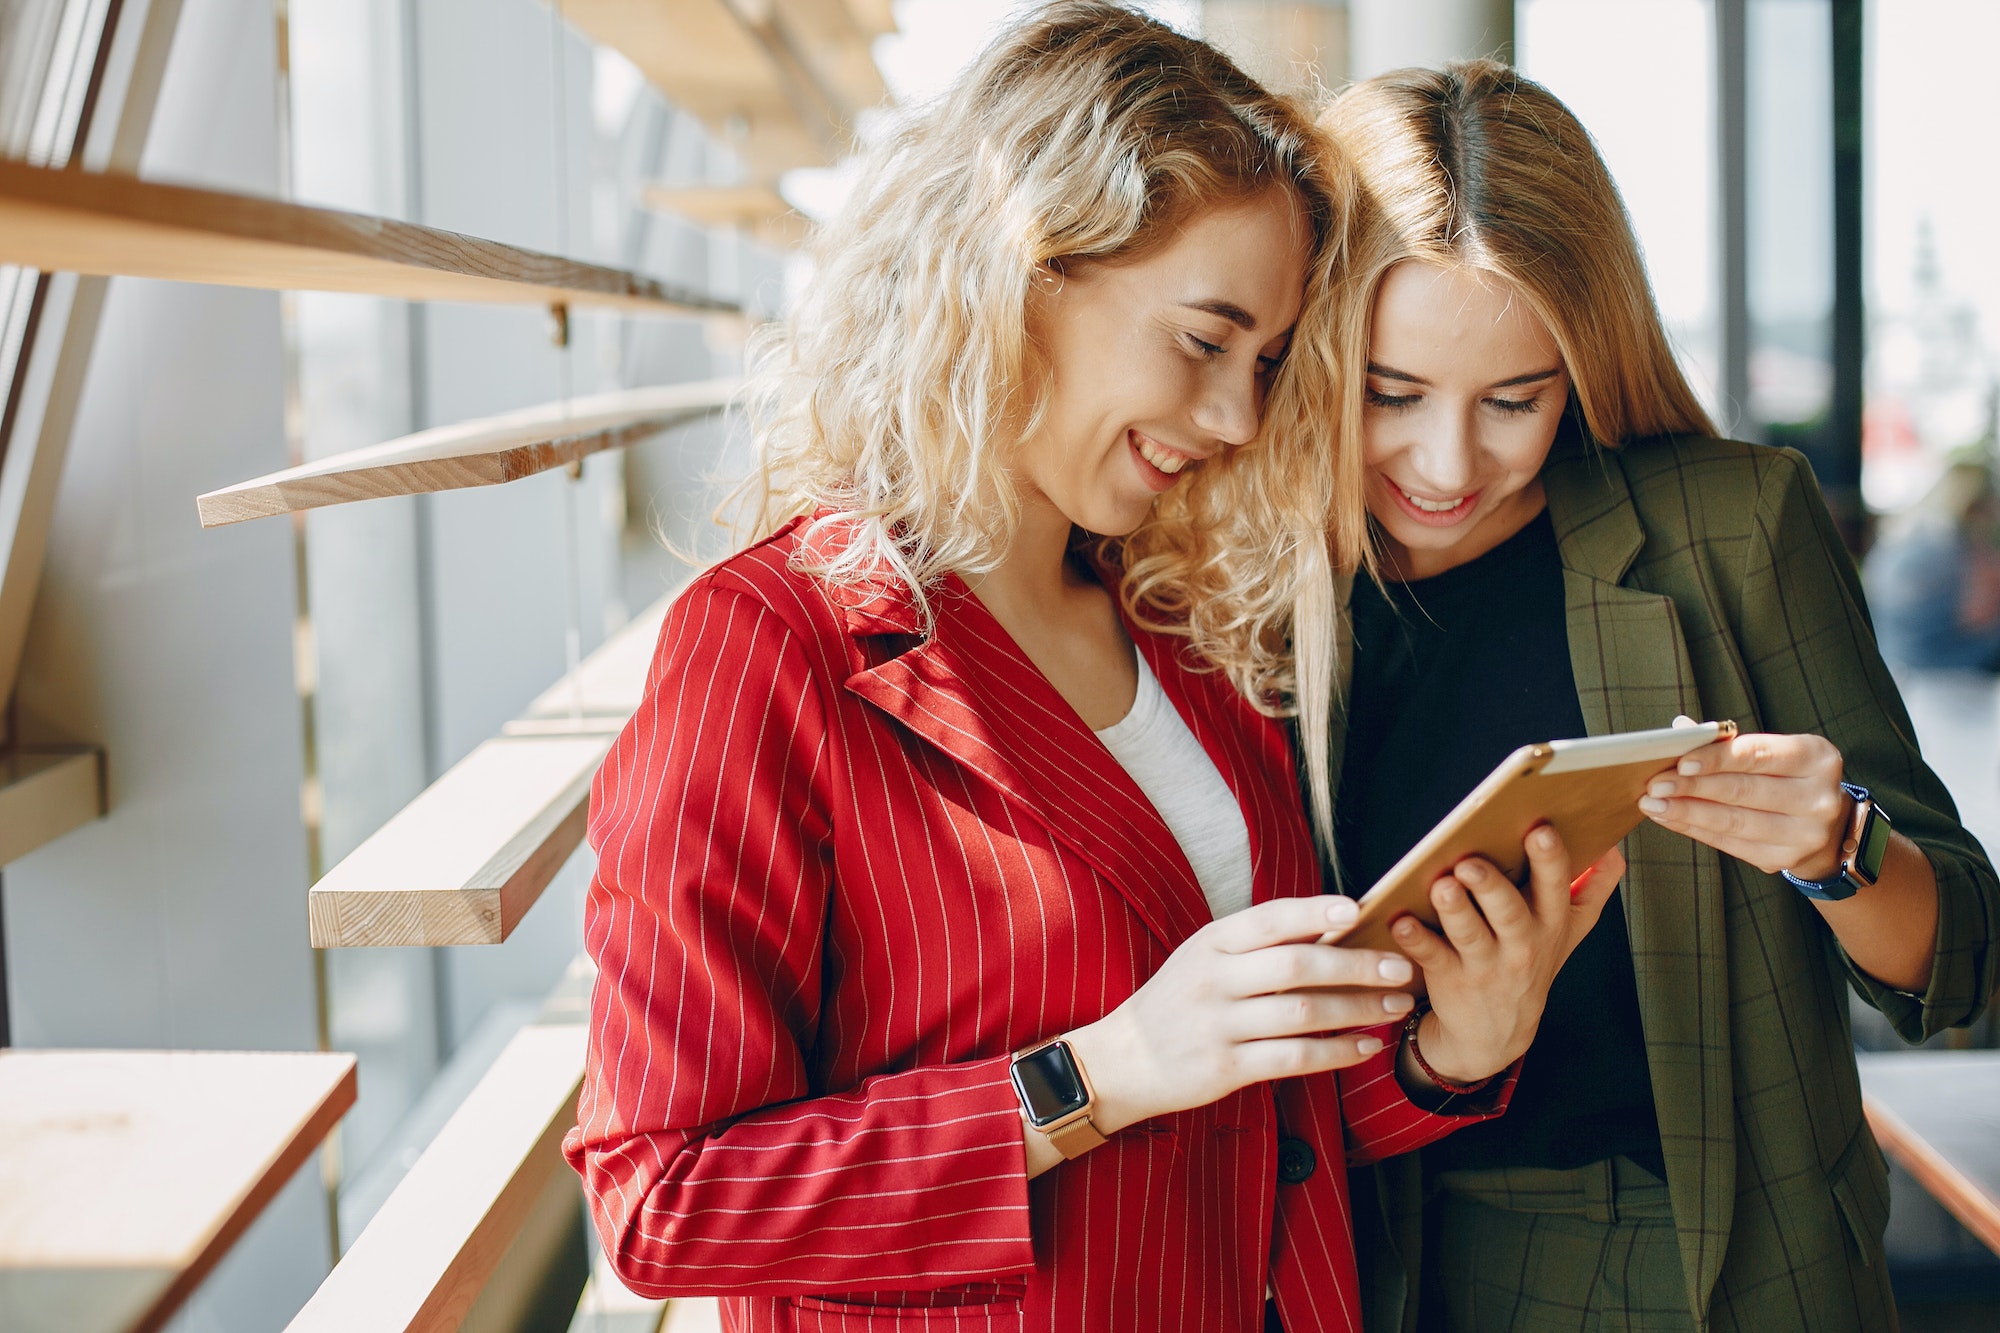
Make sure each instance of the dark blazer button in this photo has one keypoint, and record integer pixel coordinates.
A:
(1296, 1161)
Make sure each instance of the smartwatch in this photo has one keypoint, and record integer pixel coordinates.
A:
(1056, 1096)
(1861, 854)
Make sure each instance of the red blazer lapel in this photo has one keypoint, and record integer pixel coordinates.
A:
(970, 691)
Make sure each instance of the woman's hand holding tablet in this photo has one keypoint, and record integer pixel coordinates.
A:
(1250, 997)
(1488, 970)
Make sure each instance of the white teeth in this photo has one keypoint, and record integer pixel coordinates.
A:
(1168, 463)
(1432, 506)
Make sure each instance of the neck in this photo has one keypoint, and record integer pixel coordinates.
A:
(1035, 574)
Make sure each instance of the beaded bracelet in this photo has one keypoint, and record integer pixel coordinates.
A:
(1417, 1054)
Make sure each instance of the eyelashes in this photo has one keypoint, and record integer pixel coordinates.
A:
(1508, 406)
(1266, 365)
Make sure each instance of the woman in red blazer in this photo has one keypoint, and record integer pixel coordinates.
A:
(928, 996)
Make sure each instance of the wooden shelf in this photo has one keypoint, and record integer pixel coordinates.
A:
(1938, 1114)
(780, 81)
(120, 226)
(45, 791)
(464, 862)
(608, 1306)
(757, 209)
(486, 452)
(125, 1175)
(445, 1232)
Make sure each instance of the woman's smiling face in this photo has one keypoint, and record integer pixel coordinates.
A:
(1465, 391)
(1159, 363)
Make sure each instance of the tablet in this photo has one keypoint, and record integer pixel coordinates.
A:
(1589, 789)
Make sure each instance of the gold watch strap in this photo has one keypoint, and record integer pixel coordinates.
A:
(1076, 1138)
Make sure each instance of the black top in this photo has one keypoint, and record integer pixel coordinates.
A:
(1451, 675)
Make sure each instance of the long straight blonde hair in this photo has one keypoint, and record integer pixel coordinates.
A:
(890, 402)
(1475, 167)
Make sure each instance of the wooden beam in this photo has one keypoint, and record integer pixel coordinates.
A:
(45, 791)
(116, 225)
(609, 1306)
(436, 1243)
(608, 684)
(757, 209)
(486, 452)
(464, 862)
(780, 81)
(1937, 1113)
(183, 1148)
(693, 1314)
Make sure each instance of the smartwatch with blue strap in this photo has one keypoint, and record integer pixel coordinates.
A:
(1861, 854)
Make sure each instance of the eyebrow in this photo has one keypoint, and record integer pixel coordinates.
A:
(1228, 310)
(1405, 377)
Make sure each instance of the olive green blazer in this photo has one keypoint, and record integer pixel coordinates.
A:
(1705, 577)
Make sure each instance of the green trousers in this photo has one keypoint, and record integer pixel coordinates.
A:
(1589, 1250)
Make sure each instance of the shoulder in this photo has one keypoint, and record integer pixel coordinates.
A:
(768, 575)
(758, 604)
(1712, 489)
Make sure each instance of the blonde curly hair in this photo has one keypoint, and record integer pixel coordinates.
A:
(889, 402)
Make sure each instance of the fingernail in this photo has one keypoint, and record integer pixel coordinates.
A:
(1652, 806)
(1395, 969)
(1661, 788)
(1405, 927)
(1452, 894)
(1368, 1045)
(1545, 839)
(1342, 910)
(1690, 767)
(1396, 1004)
(1471, 870)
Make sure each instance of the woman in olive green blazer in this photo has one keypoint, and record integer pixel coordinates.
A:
(1501, 327)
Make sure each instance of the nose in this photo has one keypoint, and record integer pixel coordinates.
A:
(1442, 453)
(1231, 407)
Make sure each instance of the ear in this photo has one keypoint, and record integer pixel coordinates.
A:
(1048, 277)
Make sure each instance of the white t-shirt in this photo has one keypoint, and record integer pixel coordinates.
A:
(1153, 745)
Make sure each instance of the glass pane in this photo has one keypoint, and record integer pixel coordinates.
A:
(1664, 163)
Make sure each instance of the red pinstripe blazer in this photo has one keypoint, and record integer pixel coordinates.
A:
(843, 872)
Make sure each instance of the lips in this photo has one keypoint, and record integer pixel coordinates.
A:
(1160, 465)
(1432, 511)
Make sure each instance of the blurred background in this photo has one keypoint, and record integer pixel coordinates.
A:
(1812, 182)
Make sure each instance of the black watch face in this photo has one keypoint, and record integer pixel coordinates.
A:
(1048, 1083)
(1874, 848)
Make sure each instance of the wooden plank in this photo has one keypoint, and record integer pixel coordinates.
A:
(609, 1306)
(485, 452)
(779, 81)
(757, 209)
(116, 225)
(45, 791)
(464, 862)
(435, 1244)
(1938, 1114)
(608, 685)
(693, 1314)
(125, 1175)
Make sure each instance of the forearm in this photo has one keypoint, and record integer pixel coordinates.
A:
(1889, 929)
(911, 1180)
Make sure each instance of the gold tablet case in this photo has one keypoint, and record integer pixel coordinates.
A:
(1592, 804)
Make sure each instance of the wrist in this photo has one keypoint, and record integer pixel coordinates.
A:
(1104, 1053)
(1442, 1057)
(1825, 863)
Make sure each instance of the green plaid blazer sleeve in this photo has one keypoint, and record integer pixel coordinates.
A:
(1774, 619)
(1808, 643)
